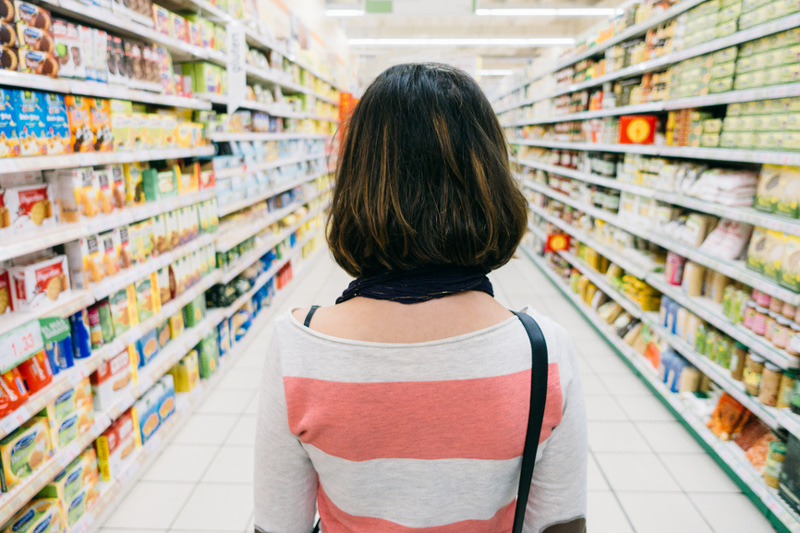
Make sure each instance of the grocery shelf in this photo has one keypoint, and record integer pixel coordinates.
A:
(258, 136)
(624, 35)
(790, 421)
(750, 34)
(735, 155)
(741, 214)
(539, 232)
(68, 303)
(603, 284)
(27, 242)
(726, 454)
(276, 110)
(733, 269)
(266, 165)
(228, 239)
(91, 159)
(10, 78)
(730, 97)
(282, 80)
(277, 189)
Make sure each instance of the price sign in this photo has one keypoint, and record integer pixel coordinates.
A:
(19, 344)
(237, 74)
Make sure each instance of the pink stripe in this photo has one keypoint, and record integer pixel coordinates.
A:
(334, 520)
(481, 418)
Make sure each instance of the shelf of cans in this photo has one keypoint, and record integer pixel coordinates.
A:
(761, 463)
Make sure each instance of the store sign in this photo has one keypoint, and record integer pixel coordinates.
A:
(19, 344)
(237, 73)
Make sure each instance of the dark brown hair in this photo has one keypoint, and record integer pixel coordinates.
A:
(423, 177)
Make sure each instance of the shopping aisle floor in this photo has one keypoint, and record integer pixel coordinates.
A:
(646, 474)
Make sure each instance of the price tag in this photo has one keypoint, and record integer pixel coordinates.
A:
(237, 73)
(19, 344)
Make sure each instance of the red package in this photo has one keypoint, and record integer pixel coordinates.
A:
(36, 372)
(12, 392)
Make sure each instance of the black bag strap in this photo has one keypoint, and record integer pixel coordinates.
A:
(310, 315)
(539, 371)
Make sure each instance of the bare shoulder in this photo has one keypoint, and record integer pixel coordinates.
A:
(300, 313)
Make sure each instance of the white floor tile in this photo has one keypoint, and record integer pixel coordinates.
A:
(222, 401)
(231, 465)
(244, 432)
(181, 462)
(668, 436)
(252, 407)
(604, 514)
(624, 384)
(595, 479)
(603, 407)
(205, 429)
(216, 507)
(730, 513)
(150, 505)
(644, 407)
(127, 530)
(603, 362)
(614, 436)
(241, 379)
(662, 513)
(592, 384)
(635, 471)
(697, 472)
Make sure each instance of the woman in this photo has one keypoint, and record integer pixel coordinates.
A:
(404, 407)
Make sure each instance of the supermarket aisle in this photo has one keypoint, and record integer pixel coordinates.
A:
(646, 474)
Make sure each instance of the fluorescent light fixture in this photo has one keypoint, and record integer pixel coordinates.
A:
(548, 12)
(495, 72)
(502, 41)
(340, 12)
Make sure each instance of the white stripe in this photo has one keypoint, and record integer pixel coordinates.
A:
(418, 493)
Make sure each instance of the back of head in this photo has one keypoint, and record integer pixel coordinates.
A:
(423, 177)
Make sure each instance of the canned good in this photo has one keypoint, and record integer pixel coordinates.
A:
(752, 374)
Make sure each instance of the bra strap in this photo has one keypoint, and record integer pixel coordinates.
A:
(310, 315)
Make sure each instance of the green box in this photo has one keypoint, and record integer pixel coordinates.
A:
(208, 354)
(159, 184)
(194, 311)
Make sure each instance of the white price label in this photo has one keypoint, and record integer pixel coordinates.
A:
(20, 343)
(237, 72)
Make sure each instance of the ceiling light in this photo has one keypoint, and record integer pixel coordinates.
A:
(337, 12)
(548, 12)
(521, 42)
(495, 72)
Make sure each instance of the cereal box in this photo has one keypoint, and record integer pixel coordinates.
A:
(29, 207)
(109, 248)
(86, 261)
(147, 347)
(39, 515)
(9, 139)
(134, 187)
(67, 49)
(40, 283)
(105, 193)
(23, 451)
(116, 445)
(176, 325)
(111, 377)
(100, 114)
(80, 123)
(147, 297)
(76, 192)
(57, 134)
(31, 116)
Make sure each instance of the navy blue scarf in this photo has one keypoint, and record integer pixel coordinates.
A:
(419, 285)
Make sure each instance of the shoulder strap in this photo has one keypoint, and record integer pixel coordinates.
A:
(539, 371)
(310, 315)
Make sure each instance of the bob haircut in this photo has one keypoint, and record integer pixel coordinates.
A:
(423, 177)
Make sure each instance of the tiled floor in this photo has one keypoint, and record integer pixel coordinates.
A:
(646, 474)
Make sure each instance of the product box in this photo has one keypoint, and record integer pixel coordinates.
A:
(67, 49)
(6, 301)
(35, 62)
(146, 413)
(40, 515)
(39, 283)
(67, 428)
(163, 334)
(124, 313)
(23, 451)
(80, 475)
(186, 374)
(29, 207)
(111, 377)
(80, 123)
(76, 192)
(208, 356)
(159, 185)
(31, 117)
(9, 139)
(166, 400)
(32, 15)
(86, 261)
(105, 194)
(109, 248)
(100, 120)
(147, 347)
(57, 134)
(147, 297)
(116, 445)
(194, 311)
(176, 325)
(134, 187)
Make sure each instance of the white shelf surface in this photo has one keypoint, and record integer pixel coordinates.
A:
(257, 136)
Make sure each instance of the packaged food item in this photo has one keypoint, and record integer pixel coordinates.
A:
(23, 451)
(9, 138)
(67, 49)
(100, 120)
(123, 309)
(194, 311)
(159, 184)
(770, 384)
(12, 391)
(727, 416)
(116, 445)
(186, 374)
(56, 133)
(35, 62)
(787, 387)
(788, 268)
(111, 377)
(40, 515)
(208, 356)
(36, 372)
(146, 412)
(147, 297)
(28, 207)
(76, 192)
(79, 476)
(32, 15)
(80, 123)
(147, 347)
(163, 334)
(753, 374)
(39, 283)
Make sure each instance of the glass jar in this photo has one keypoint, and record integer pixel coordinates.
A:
(770, 384)
(749, 314)
(787, 388)
(793, 346)
(789, 311)
(770, 322)
(752, 374)
(763, 299)
(775, 305)
(759, 323)
(738, 360)
(783, 332)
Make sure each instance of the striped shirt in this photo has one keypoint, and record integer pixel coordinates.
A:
(424, 437)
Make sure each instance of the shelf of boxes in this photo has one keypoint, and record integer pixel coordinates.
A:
(274, 191)
(228, 239)
(276, 110)
(734, 155)
(725, 453)
(733, 269)
(259, 136)
(750, 34)
(597, 49)
(282, 80)
(69, 302)
(27, 242)
(266, 165)
(730, 97)
(92, 159)
(741, 214)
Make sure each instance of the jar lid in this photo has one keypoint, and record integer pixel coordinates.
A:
(760, 309)
(783, 321)
(795, 326)
(751, 303)
(755, 357)
(772, 367)
(773, 315)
